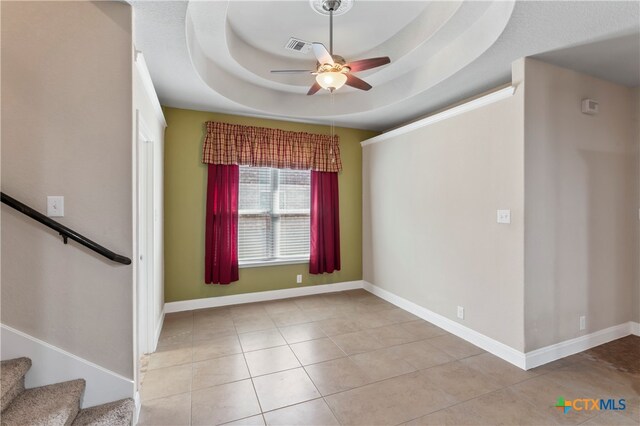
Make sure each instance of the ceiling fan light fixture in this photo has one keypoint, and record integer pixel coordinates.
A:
(331, 80)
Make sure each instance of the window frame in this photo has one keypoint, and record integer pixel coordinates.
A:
(275, 213)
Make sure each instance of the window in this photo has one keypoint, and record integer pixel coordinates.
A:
(273, 223)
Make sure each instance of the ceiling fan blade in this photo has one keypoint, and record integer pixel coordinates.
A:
(313, 89)
(356, 82)
(292, 71)
(367, 64)
(322, 54)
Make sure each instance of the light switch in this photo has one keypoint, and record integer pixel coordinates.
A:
(504, 216)
(55, 206)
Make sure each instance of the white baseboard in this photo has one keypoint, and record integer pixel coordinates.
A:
(52, 365)
(262, 296)
(498, 349)
(550, 353)
(159, 325)
(138, 406)
(522, 360)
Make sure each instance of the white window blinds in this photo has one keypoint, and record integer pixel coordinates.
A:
(273, 215)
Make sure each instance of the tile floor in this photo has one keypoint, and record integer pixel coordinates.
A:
(352, 358)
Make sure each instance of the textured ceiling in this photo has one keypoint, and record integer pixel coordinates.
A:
(215, 56)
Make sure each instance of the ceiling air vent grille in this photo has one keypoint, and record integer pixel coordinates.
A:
(298, 45)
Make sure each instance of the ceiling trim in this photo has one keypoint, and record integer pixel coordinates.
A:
(496, 96)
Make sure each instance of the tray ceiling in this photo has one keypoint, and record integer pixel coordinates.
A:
(216, 55)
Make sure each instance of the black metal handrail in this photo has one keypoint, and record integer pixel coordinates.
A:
(63, 230)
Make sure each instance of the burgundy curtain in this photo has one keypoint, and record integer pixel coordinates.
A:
(325, 224)
(221, 245)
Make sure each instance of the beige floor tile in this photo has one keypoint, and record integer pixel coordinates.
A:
(447, 417)
(314, 351)
(249, 421)
(219, 312)
(544, 393)
(293, 317)
(633, 408)
(357, 342)
(598, 379)
(166, 382)
(323, 313)
(337, 297)
(175, 315)
(285, 388)
(392, 335)
(183, 339)
(367, 320)
(336, 326)
(301, 332)
(373, 306)
(247, 310)
(217, 371)
(208, 331)
(266, 361)
(398, 315)
(203, 324)
(459, 381)
(389, 402)
(224, 403)
(611, 418)
(311, 413)
(310, 302)
(455, 346)
(169, 356)
(174, 325)
(502, 407)
(379, 365)
(500, 370)
(215, 348)
(220, 316)
(419, 355)
(280, 306)
(253, 323)
(337, 375)
(170, 411)
(261, 340)
(422, 329)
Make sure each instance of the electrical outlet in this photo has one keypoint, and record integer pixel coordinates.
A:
(299, 279)
(503, 216)
(583, 322)
(460, 312)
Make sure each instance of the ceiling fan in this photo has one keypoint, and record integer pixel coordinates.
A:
(332, 71)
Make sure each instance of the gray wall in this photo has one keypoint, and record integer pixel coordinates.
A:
(429, 227)
(581, 197)
(67, 130)
(571, 182)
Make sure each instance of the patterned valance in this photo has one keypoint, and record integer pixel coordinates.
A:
(263, 147)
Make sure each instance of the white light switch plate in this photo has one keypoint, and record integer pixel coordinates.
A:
(504, 216)
(55, 206)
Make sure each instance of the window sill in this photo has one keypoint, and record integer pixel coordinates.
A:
(272, 263)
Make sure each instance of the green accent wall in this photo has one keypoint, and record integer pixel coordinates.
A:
(185, 180)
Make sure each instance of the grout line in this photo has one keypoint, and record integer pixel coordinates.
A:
(255, 392)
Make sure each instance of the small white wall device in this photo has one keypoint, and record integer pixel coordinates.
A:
(590, 106)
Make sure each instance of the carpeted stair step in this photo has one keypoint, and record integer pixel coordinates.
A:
(51, 405)
(118, 413)
(12, 379)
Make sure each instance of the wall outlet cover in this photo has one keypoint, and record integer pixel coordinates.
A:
(460, 312)
(503, 216)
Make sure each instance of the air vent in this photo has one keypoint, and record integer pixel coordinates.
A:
(298, 45)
